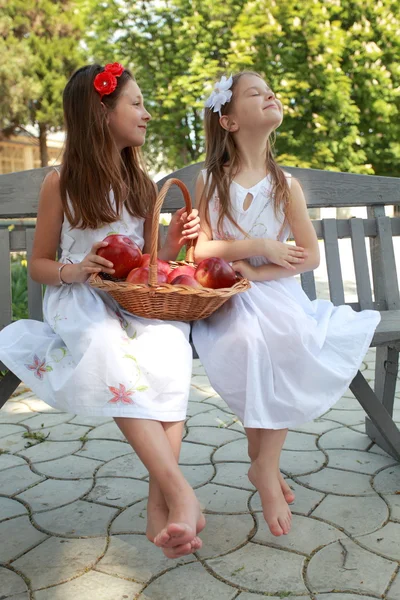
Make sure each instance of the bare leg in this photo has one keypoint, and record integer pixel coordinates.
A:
(253, 438)
(150, 442)
(157, 509)
(263, 474)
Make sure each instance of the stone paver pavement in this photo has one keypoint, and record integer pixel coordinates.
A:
(73, 510)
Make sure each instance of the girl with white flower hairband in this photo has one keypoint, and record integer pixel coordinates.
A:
(277, 358)
(90, 357)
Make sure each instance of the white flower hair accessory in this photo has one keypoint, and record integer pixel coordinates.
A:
(220, 95)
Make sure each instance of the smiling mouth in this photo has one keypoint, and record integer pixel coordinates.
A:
(270, 106)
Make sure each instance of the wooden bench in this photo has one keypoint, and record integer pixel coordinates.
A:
(19, 196)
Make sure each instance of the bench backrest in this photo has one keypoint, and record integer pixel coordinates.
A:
(19, 198)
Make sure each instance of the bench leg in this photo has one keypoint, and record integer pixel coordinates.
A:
(8, 385)
(386, 369)
(381, 422)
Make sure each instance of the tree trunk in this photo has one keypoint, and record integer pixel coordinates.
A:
(44, 157)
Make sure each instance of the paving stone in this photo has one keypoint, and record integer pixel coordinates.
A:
(22, 414)
(56, 560)
(386, 541)
(212, 418)
(300, 441)
(234, 474)
(214, 436)
(128, 465)
(104, 450)
(69, 467)
(14, 442)
(343, 596)
(344, 438)
(355, 460)
(306, 535)
(340, 482)
(17, 479)
(77, 519)
(198, 395)
(42, 451)
(11, 508)
(394, 591)
(6, 430)
(346, 417)
(217, 402)
(220, 499)
(223, 533)
(318, 426)
(300, 463)
(9, 460)
(92, 585)
(108, 431)
(189, 582)
(304, 502)
(131, 520)
(37, 405)
(394, 503)
(357, 515)
(194, 454)
(197, 475)
(65, 432)
(90, 421)
(119, 491)
(364, 571)
(20, 536)
(388, 480)
(135, 557)
(196, 407)
(202, 382)
(234, 451)
(261, 569)
(11, 584)
(347, 402)
(48, 420)
(53, 493)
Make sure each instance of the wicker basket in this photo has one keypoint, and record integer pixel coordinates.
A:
(166, 301)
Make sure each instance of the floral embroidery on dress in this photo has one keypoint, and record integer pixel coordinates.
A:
(39, 367)
(121, 394)
(57, 317)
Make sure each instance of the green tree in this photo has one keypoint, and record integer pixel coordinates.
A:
(41, 41)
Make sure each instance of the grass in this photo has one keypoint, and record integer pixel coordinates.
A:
(36, 436)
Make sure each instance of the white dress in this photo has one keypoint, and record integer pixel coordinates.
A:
(90, 357)
(277, 358)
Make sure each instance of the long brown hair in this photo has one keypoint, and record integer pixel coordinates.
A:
(221, 149)
(89, 169)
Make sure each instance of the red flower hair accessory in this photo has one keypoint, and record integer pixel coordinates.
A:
(106, 81)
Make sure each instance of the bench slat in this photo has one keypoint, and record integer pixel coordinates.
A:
(388, 263)
(34, 289)
(334, 269)
(376, 262)
(5, 278)
(363, 280)
(370, 227)
(308, 284)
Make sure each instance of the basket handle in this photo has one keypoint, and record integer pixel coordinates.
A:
(155, 226)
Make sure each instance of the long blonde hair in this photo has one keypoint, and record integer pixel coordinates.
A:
(221, 149)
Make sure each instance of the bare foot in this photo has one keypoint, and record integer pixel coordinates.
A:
(286, 489)
(157, 517)
(184, 521)
(275, 509)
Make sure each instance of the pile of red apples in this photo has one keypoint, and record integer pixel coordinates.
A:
(133, 266)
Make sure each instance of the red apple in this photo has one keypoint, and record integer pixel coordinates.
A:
(162, 265)
(141, 275)
(181, 270)
(186, 280)
(215, 273)
(122, 252)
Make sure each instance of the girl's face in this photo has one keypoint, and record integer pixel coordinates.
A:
(255, 106)
(128, 120)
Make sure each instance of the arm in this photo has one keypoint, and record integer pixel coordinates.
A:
(43, 266)
(276, 252)
(304, 235)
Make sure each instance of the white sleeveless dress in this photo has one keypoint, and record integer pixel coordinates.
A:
(277, 358)
(90, 357)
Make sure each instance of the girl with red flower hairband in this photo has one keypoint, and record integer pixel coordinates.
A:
(89, 356)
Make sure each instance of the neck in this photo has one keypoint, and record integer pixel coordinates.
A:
(252, 150)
